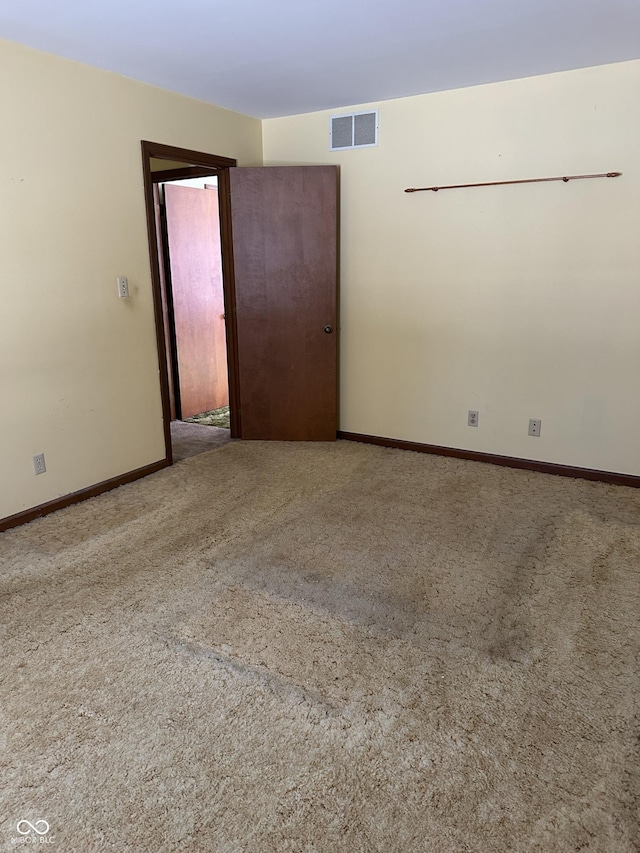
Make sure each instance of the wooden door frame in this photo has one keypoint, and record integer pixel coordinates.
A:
(206, 164)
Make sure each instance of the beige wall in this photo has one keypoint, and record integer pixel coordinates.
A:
(518, 301)
(79, 373)
(158, 165)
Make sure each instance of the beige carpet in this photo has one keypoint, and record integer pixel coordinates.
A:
(346, 649)
(189, 439)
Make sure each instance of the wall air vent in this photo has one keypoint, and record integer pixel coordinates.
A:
(353, 130)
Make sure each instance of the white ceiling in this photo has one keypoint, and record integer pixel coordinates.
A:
(281, 57)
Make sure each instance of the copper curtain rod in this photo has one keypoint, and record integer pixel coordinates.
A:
(525, 181)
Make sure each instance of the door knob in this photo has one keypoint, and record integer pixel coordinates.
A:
(328, 329)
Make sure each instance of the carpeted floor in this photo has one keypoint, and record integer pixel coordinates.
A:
(216, 417)
(349, 648)
(190, 439)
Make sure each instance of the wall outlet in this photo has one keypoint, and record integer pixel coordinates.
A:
(38, 463)
(123, 286)
(472, 418)
(535, 425)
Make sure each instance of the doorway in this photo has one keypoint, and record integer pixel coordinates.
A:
(280, 287)
(188, 262)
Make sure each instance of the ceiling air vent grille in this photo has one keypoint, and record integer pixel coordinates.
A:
(354, 130)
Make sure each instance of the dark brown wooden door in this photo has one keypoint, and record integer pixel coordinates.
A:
(195, 260)
(284, 223)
